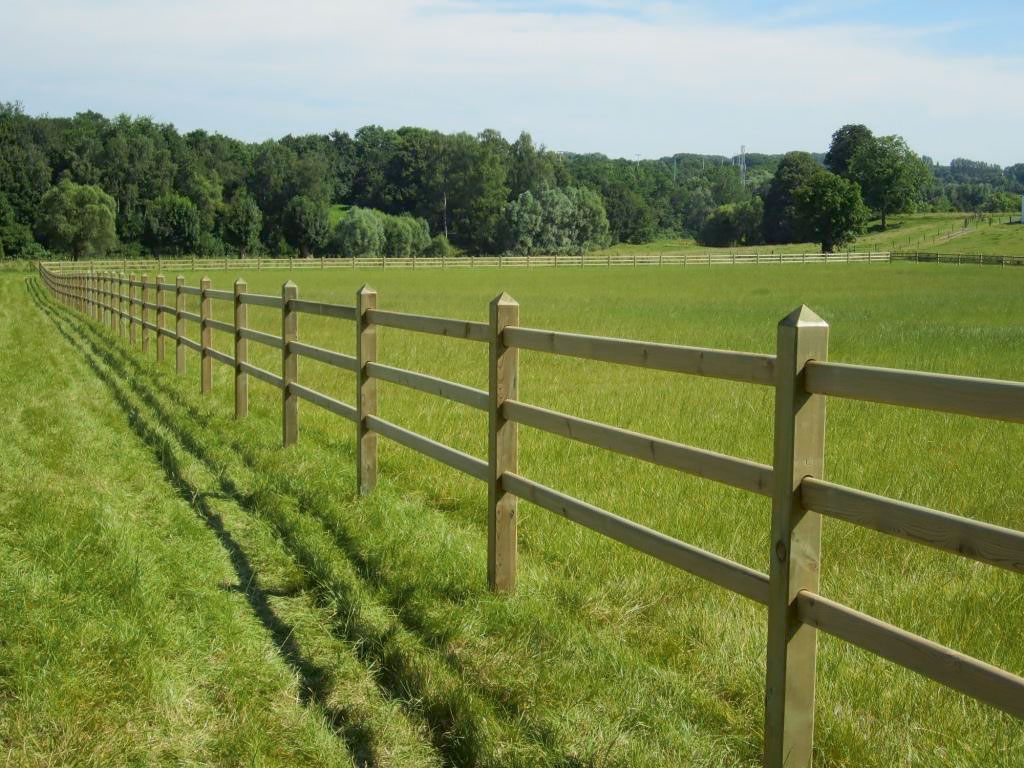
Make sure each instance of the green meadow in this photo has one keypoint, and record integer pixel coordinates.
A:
(904, 232)
(179, 589)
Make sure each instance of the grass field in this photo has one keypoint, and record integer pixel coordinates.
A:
(919, 231)
(603, 657)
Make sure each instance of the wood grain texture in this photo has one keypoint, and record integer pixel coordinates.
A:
(985, 398)
(710, 567)
(955, 670)
(715, 363)
(502, 446)
(795, 544)
(366, 390)
(739, 473)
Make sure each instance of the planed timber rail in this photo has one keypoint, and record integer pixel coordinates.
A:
(802, 378)
(609, 259)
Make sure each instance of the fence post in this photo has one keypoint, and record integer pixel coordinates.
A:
(795, 543)
(366, 391)
(159, 318)
(241, 354)
(289, 364)
(179, 325)
(205, 338)
(502, 448)
(144, 314)
(131, 309)
(114, 304)
(121, 298)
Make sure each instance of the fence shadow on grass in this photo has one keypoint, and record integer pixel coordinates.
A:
(315, 681)
(455, 721)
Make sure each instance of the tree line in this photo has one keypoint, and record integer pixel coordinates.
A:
(89, 185)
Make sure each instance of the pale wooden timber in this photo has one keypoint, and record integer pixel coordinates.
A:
(992, 544)
(220, 357)
(289, 365)
(159, 318)
(457, 329)
(987, 398)
(179, 325)
(716, 363)
(795, 544)
(718, 570)
(261, 337)
(144, 313)
(502, 446)
(475, 398)
(342, 311)
(262, 374)
(261, 300)
(241, 353)
(205, 339)
(366, 390)
(739, 473)
(456, 459)
(329, 403)
(955, 670)
(337, 359)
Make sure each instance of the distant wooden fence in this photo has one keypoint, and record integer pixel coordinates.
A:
(960, 258)
(465, 262)
(799, 372)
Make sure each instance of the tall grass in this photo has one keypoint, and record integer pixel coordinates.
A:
(603, 656)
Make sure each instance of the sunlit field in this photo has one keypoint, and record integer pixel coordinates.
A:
(604, 656)
(903, 232)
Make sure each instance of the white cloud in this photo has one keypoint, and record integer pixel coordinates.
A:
(655, 81)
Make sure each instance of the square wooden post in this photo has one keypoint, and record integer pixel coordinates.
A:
(121, 297)
(144, 314)
(366, 391)
(131, 309)
(502, 448)
(179, 326)
(114, 302)
(159, 318)
(795, 543)
(205, 338)
(289, 364)
(241, 353)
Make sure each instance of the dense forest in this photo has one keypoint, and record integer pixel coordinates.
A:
(89, 185)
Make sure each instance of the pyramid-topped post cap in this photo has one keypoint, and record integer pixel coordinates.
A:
(802, 317)
(366, 289)
(240, 283)
(503, 299)
(289, 284)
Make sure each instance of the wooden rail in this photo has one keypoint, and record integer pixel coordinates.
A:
(608, 259)
(799, 372)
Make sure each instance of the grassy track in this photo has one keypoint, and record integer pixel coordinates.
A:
(146, 618)
(603, 657)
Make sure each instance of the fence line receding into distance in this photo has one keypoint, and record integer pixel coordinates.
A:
(802, 378)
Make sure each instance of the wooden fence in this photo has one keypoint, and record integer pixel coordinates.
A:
(960, 258)
(465, 262)
(799, 371)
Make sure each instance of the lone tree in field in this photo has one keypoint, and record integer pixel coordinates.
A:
(781, 215)
(243, 221)
(845, 143)
(172, 221)
(307, 224)
(829, 210)
(890, 175)
(78, 219)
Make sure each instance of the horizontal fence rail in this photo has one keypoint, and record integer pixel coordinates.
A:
(609, 259)
(799, 372)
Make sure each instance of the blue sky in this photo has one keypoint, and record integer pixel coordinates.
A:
(623, 78)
